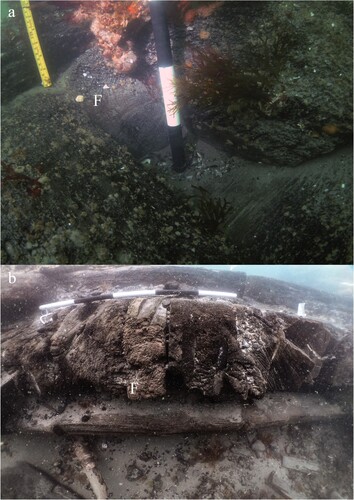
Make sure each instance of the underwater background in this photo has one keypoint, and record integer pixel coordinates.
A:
(331, 279)
(265, 94)
(92, 204)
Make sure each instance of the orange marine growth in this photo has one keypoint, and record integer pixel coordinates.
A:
(191, 10)
(108, 22)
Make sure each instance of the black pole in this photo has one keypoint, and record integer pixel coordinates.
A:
(166, 70)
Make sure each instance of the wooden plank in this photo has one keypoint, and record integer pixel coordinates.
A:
(6, 378)
(300, 464)
(173, 418)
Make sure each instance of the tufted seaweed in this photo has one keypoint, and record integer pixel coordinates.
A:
(212, 211)
(212, 79)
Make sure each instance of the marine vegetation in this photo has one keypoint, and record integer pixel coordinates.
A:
(212, 211)
(212, 79)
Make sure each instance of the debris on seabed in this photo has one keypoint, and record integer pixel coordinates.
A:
(258, 447)
(278, 485)
(299, 464)
(88, 466)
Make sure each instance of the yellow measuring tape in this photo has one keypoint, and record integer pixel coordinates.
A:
(36, 46)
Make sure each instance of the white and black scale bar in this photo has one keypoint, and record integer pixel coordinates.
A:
(168, 85)
(137, 293)
(48, 308)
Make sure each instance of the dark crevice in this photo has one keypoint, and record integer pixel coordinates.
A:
(174, 381)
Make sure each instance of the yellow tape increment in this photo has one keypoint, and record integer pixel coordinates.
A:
(36, 46)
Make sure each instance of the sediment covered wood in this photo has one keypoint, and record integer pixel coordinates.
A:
(215, 347)
(173, 418)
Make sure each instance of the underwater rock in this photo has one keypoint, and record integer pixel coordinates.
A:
(258, 446)
(131, 116)
(128, 109)
(267, 84)
(289, 215)
(134, 472)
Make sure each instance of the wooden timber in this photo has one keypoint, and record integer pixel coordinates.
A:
(163, 417)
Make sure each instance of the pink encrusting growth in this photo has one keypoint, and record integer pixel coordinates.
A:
(108, 23)
(109, 20)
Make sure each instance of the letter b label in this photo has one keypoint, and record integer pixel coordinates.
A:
(12, 278)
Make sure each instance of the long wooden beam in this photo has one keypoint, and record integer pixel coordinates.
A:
(163, 417)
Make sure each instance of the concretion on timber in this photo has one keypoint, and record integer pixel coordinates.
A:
(214, 348)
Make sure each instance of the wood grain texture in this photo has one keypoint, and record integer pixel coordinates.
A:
(160, 417)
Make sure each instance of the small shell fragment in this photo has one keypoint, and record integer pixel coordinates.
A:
(204, 35)
(330, 129)
(79, 98)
